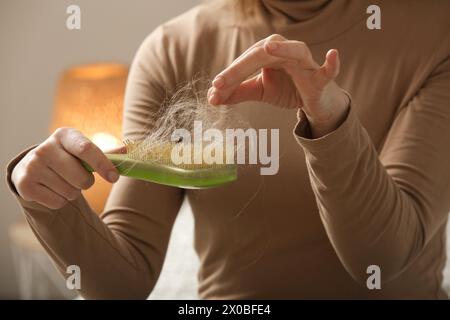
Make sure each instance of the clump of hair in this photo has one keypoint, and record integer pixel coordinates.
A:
(181, 108)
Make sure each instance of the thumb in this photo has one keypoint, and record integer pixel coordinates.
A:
(330, 68)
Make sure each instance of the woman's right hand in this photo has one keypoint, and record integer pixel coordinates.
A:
(51, 174)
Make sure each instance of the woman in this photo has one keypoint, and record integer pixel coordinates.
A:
(364, 182)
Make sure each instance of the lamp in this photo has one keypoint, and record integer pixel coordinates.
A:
(90, 99)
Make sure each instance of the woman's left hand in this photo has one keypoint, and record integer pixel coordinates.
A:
(287, 77)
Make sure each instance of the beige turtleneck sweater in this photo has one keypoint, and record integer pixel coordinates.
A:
(376, 191)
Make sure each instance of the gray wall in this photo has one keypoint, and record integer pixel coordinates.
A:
(35, 47)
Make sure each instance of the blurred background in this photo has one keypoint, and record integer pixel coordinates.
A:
(36, 50)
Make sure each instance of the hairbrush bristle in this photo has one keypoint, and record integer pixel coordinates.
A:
(162, 153)
(180, 110)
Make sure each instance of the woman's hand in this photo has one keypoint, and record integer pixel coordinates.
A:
(52, 174)
(288, 77)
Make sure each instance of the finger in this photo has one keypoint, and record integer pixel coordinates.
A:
(249, 90)
(331, 66)
(81, 147)
(329, 70)
(213, 96)
(69, 168)
(55, 183)
(47, 197)
(260, 43)
(241, 68)
(236, 73)
(292, 50)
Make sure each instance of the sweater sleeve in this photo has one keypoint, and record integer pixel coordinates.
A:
(382, 208)
(121, 253)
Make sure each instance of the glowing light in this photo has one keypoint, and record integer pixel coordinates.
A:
(105, 141)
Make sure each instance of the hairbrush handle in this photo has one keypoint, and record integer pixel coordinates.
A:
(171, 175)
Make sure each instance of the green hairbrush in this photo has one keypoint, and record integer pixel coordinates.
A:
(156, 166)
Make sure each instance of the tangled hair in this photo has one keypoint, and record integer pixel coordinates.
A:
(187, 104)
(181, 108)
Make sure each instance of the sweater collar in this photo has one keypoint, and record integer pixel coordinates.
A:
(311, 21)
(295, 10)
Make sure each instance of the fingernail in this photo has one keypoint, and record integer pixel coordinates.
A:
(218, 82)
(214, 99)
(113, 176)
(272, 45)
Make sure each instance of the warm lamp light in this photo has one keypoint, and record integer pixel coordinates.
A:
(105, 141)
(90, 98)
